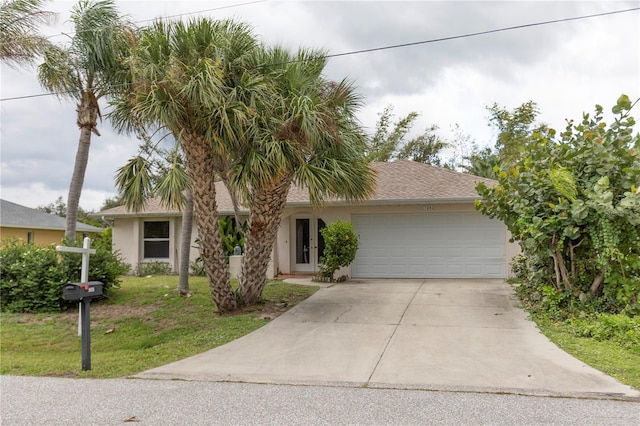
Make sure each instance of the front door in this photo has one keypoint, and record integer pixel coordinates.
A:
(308, 243)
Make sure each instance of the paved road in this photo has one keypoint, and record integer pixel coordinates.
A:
(57, 401)
(377, 352)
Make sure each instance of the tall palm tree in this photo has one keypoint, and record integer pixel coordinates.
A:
(188, 77)
(309, 137)
(141, 178)
(82, 72)
(20, 41)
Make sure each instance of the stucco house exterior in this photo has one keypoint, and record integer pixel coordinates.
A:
(35, 226)
(420, 223)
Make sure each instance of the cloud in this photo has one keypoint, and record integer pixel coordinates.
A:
(566, 68)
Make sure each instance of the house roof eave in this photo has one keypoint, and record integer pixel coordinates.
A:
(386, 202)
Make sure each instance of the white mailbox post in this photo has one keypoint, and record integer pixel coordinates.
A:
(84, 271)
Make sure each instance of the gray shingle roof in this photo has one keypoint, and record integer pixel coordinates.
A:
(14, 215)
(397, 182)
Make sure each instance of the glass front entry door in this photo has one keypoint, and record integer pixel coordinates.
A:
(308, 244)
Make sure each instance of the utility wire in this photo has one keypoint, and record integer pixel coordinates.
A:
(435, 40)
(178, 15)
(515, 27)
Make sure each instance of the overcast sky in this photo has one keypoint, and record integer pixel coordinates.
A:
(566, 68)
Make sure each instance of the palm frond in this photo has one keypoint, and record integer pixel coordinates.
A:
(20, 41)
(172, 186)
(133, 181)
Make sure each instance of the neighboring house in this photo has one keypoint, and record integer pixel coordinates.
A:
(420, 223)
(35, 226)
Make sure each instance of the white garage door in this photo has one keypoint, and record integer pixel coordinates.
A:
(429, 245)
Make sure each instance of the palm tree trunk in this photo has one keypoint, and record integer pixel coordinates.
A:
(264, 219)
(185, 244)
(87, 121)
(201, 169)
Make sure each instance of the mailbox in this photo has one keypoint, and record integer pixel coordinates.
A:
(80, 291)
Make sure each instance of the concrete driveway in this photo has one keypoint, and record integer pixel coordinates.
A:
(457, 335)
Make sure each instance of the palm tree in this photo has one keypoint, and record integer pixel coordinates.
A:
(82, 72)
(188, 78)
(141, 178)
(20, 41)
(258, 127)
(310, 138)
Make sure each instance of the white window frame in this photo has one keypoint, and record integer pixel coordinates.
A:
(167, 239)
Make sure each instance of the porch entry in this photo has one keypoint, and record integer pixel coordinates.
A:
(308, 245)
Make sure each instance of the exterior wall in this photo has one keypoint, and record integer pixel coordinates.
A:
(127, 233)
(40, 236)
(126, 240)
(285, 248)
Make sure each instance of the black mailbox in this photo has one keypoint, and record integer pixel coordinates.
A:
(80, 291)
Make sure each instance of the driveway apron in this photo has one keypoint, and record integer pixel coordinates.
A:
(459, 335)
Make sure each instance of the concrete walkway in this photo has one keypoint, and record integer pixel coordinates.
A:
(411, 334)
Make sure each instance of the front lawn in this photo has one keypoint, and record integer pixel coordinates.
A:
(613, 359)
(142, 325)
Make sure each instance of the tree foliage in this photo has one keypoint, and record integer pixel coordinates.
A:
(20, 41)
(83, 71)
(512, 129)
(259, 118)
(59, 208)
(389, 140)
(573, 201)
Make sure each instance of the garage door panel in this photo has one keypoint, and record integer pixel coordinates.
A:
(451, 245)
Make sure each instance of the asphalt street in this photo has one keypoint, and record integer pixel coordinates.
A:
(414, 352)
(59, 401)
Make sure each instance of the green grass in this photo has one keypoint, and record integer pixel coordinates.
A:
(142, 325)
(613, 359)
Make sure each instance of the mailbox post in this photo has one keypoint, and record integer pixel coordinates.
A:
(85, 293)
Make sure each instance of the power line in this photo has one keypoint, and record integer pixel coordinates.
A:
(516, 27)
(397, 46)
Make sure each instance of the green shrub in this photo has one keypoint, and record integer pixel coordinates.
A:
(340, 247)
(32, 275)
(619, 328)
(31, 278)
(197, 267)
(153, 268)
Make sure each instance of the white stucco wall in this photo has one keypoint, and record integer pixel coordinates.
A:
(126, 239)
(127, 233)
(285, 248)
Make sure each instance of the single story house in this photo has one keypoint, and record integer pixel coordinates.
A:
(420, 223)
(35, 226)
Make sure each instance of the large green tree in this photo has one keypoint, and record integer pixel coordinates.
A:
(573, 201)
(21, 43)
(260, 119)
(191, 78)
(82, 71)
(307, 136)
(389, 142)
(512, 129)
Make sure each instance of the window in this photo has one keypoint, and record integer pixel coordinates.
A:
(29, 237)
(156, 240)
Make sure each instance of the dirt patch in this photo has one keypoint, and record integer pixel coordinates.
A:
(113, 312)
(267, 310)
